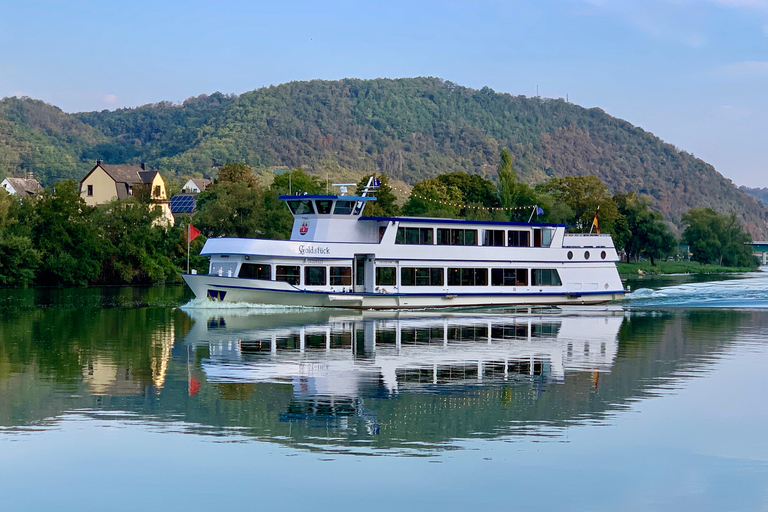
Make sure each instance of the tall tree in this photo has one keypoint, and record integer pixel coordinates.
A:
(386, 202)
(647, 235)
(584, 195)
(715, 238)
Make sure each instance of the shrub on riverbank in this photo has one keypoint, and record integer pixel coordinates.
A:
(675, 267)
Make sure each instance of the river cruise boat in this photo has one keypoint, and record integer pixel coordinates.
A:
(338, 258)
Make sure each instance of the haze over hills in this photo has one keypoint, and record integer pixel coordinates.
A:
(409, 129)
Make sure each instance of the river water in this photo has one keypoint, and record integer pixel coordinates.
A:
(142, 399)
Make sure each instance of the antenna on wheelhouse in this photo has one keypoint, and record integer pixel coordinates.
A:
(343, 187)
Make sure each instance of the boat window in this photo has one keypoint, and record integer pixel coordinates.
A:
(545, 330)
(518, 238)
(289, 274)
(341, 276)
(343, 207)
(324, 206)
(255, 271)
(301, 207)
(545, 277)
(509, 277)
(546, 237)
(494, 237)
(314, 276)
(385, 276)
(359, 207)
(410, 276)
(510, 332)
(414, 236)
(537, 238)
(467, 276)
(447, 236)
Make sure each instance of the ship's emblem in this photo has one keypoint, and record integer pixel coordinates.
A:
(304, 228)
(216, 295)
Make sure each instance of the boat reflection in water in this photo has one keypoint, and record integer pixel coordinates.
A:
(336, 361)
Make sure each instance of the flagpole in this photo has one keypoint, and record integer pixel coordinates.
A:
(188, 233)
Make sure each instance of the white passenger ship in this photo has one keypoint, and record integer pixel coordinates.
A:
(338, 258)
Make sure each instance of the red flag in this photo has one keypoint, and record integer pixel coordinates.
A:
(594, 224)
(192, 232)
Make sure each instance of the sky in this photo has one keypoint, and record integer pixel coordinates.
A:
(693, 72)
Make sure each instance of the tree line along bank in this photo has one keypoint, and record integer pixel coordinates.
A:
(55, 239)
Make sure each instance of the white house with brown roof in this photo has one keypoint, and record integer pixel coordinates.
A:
(195, 185)
(21, 186)
(105, 183)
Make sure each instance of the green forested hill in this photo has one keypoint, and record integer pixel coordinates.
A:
(408, 128)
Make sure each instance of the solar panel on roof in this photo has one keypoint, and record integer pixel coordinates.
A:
(183, 203)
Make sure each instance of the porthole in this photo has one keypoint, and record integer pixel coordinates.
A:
(586, 255)
(603, 255)
(570, 255)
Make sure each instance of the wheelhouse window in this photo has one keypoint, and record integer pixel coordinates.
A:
(494, 237)
(467, 276)
(447, 236)
(509, 277)
(255, 271)
(324, 206)
(545, 277)
(315, 276)
(410, 276)
(517, 238)
(385, 276)
(289, 274)
(414, 236)
(341, 276)
(301, 207)
(343, 207)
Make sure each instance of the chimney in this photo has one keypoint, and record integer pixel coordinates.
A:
(143, 166)
(98, 162)
(30, 175)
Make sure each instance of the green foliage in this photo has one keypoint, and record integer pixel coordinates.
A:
(718, 239)
(297, 182)
(645, 233)
(230, 209)
(386, 202)
(237, 172)
(451, 195)
(583, 195)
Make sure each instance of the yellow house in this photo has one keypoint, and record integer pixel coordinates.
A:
(105, 183)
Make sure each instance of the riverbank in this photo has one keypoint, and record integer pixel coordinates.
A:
(675, 267)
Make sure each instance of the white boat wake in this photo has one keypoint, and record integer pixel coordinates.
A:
(751, 292)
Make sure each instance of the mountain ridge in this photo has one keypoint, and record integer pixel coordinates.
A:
(410, 129)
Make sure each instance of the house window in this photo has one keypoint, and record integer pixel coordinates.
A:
(90, 190)
(341, 276)
(314, 276)
(288, 274)
(157, 191)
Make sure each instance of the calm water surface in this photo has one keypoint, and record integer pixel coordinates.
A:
(140, 399)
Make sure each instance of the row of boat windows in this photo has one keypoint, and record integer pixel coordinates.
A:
(323, 207)
(491, 237)
(409, 276)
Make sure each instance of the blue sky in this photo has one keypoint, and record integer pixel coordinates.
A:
(693, 72)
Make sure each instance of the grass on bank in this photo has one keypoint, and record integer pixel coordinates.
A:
(675, 267)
